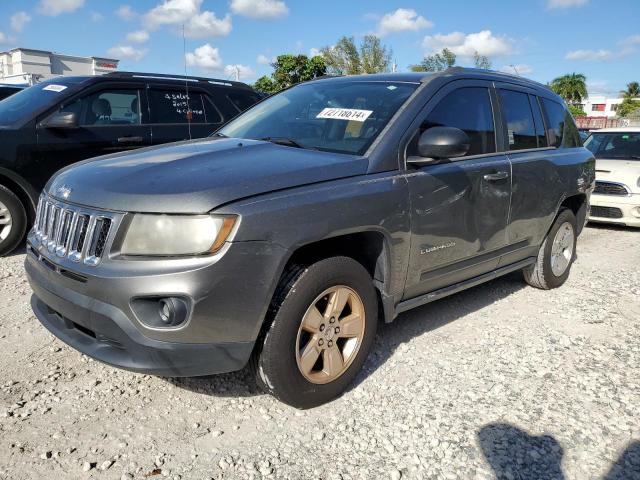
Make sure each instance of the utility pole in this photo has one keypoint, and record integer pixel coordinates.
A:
(515, 69)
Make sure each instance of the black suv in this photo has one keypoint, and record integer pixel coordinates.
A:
(286, 235)
(67, 119)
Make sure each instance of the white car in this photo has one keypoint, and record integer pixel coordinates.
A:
(616, 198)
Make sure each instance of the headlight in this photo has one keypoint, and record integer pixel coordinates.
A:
(176, 234)
(638, 182)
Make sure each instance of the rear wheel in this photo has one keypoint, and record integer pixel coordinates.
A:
(324, 323)
(13, 221)
(556, 255)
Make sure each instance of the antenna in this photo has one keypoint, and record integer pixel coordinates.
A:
(186, 79)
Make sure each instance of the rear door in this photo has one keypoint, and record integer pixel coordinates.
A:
(110, 119)
(180, 113)
(534, 146)
(459, 206)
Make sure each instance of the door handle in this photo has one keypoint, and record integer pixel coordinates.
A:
(130, 140)
(493, 177)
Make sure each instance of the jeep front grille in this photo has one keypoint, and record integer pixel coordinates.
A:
(69, 231)
(610, 188)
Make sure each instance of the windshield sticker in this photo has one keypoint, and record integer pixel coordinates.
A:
(391, 87)
(345, 114)
(55, 88)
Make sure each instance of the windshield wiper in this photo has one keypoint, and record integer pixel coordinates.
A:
(287, 142)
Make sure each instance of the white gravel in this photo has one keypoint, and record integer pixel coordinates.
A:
(501, 381)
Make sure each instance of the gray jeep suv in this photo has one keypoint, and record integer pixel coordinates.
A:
(281, 240)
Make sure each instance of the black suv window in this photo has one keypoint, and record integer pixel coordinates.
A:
(242, 100)
(107, 107)
(176, 106)
(537, 116)
(561, 129)
(468, 109)
(521, 132)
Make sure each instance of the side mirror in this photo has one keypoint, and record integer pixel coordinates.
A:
(441, 142)
(61, 120)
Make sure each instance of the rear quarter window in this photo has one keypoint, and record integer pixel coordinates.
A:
(243, 100)
(561, 129)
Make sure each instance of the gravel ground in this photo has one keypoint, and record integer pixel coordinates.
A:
(501, 381)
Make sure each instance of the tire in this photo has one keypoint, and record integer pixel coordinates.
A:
(13, 221)
(543, 274)
(286, 342)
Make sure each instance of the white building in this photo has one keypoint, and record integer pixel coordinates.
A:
(26, 66)
(601, 106)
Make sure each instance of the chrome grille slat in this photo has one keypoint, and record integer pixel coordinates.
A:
(77, 233)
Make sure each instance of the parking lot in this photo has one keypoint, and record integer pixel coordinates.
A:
(499, 381)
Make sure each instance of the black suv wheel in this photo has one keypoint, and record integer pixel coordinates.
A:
(324, 321)
(556, 255)
(13, 221)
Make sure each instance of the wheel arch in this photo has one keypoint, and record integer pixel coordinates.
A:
(22, 189)
(579, 205)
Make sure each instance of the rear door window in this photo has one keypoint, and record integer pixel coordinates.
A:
(176, 106)
(468, 109)
(521, 132)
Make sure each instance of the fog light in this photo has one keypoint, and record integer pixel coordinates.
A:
(636, 212)
(164, 312)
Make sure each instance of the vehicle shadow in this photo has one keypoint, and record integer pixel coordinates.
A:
(390, 336)
(513, 453)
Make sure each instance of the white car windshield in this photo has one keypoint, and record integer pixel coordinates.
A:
(615, 145)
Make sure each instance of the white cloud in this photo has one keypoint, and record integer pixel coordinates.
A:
(96, 17)
(206, 25)
(3, 38)
(172, 12)
(126, 13)
(205, 57)
(126, 52)
(314, 52)
(53, 8)
(593, 55)
(260, 9)
(139, 36)
(242, 71)
(403, 19)
(19, 20)
(631, 40)
(465, 45)
(518, 69)
(566, 3)
(264, 60)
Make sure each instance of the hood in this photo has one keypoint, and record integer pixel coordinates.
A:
(626, 172)
(196, 177)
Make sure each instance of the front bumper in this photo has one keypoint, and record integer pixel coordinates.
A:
(621, 210)
(91, 310)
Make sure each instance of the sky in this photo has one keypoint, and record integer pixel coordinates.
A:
(542, 39)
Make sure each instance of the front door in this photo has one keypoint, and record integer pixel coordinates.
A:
(460, 206)
(109, 121)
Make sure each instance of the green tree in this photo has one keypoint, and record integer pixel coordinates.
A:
(481, 61)
(629, 107)
(289, 70)
(374, 56)
(345, 58)
(577, 111)
(632, 91)
(436, 62)
(572, 87)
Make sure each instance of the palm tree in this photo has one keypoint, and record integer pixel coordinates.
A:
(572, 87)
(632, 91)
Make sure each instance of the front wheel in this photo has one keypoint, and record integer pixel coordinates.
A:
(13, 221)
(556, 255)
(324, 320)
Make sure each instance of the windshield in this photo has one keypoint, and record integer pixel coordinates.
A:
(336, 116)
(622, 145)
(20, 106)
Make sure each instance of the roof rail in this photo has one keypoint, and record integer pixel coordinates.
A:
(182, 78)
